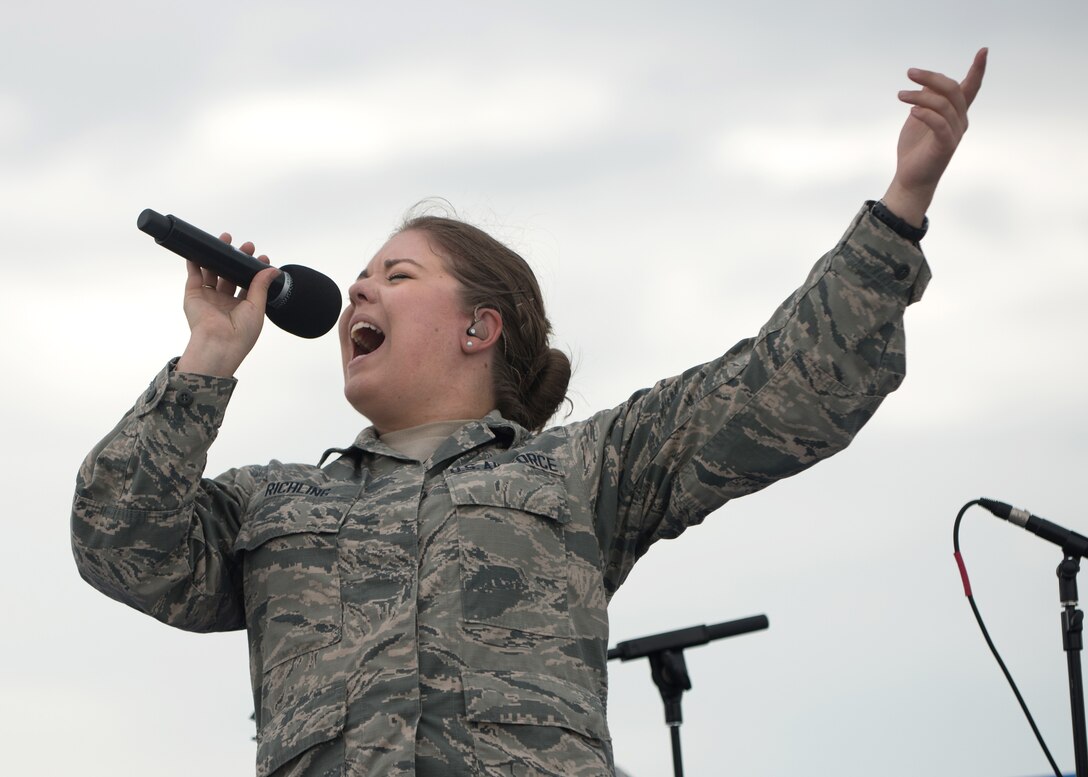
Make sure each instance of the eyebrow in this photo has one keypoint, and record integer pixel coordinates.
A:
(390, 263)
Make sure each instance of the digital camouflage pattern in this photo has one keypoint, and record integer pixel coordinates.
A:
(449, 617)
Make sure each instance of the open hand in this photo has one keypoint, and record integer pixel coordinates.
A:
(930, 136)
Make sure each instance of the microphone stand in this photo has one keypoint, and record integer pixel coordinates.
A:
(669, 670)
(1073, 643)
(1074, 546)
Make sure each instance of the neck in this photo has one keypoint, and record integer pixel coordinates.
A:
(467, 392)
(397, 422)
(437, 403)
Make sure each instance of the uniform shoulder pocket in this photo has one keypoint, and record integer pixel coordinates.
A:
(283, 507)
(291, 579)
(513, 554)
(512, 487)
(282, 520)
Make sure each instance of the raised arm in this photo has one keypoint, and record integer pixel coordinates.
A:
(801, 389)
(930, 136)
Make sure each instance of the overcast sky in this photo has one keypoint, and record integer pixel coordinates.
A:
(671, 171)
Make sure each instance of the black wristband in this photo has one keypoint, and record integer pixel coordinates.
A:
(897, 225)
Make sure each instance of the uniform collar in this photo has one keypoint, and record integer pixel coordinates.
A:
(492, 427)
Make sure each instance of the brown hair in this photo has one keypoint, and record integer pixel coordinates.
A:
(530, 377)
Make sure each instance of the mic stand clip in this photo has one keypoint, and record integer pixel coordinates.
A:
(670, 675)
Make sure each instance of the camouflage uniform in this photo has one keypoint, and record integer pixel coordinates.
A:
(448, 617)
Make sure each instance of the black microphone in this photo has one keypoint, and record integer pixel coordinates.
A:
(1070, 541)
(300, 300)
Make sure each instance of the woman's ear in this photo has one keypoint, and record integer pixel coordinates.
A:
(483, 332)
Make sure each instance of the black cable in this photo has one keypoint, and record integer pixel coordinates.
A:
(986, 635)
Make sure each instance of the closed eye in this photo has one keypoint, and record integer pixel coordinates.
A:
(398, 276)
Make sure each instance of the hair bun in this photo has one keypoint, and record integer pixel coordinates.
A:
(548, 388)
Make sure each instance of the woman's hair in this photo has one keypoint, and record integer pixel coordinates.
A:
(530, 378)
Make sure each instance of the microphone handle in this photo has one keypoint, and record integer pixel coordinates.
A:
(206, 250)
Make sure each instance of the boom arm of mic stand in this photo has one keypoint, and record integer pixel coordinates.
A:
(682, 638)
(670, 671)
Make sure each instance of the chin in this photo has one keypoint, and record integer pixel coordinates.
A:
(362, 397)
(355, 396)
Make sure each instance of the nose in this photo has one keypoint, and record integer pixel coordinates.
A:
(361, 291)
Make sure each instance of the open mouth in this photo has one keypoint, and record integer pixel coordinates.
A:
(366, 338)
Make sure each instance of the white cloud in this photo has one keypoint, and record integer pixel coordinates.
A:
(801, 154)
(380, 121)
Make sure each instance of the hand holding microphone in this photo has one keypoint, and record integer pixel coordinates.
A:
(297, 299)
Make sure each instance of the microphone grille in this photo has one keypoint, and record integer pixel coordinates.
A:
(311, 304)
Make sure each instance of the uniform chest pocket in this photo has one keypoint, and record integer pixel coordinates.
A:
(291, 579)
(513, 557)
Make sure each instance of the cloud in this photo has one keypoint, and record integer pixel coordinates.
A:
(803, 154)
(379, 122)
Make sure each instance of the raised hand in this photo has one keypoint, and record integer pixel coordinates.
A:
(930, 136)
(224, 322)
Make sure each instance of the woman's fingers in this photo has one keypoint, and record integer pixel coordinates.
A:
(938, 113)
(261, 258)
(940, 84)
(972, 82)
(257, 293)
(945, 98)
(209, 280)
(195, 276)
(941, 105)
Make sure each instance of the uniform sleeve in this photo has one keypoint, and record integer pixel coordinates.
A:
(768, 408)
(147, 529)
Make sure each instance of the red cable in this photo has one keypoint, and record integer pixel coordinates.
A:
(963, 575)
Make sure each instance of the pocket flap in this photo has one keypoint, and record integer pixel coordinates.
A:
(313, 719)
(527, 698)
(514, 487)
(288, 519)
